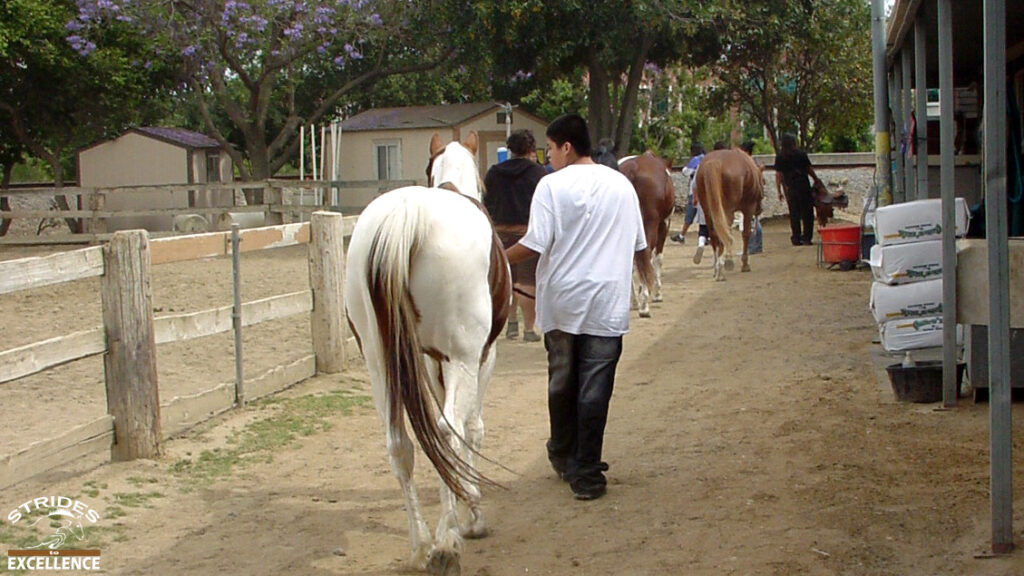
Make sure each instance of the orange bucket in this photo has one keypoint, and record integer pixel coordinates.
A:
(840, 243)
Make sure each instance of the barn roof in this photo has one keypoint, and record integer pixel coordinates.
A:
(178, 136)
(411, 117)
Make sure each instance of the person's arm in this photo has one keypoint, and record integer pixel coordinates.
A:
(778, 184)
(813, 175)
(516, 253)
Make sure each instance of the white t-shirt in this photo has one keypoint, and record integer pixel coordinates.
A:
(585, 223)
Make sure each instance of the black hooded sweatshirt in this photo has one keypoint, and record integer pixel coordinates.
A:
(510, 186)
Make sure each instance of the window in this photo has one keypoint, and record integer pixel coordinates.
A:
(388, 160)
(212, 167)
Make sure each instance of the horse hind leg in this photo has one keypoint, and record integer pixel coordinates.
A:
(642, 297)
(461, 401)
(657, 296)
(402, 457)
(747, 231)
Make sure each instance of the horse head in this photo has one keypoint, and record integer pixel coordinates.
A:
(453, 165)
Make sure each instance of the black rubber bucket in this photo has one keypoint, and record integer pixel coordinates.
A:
(921, 383)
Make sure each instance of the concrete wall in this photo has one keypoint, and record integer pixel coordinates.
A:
(358, 151)
(136, 160)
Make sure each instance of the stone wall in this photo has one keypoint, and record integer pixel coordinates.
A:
(837, 171)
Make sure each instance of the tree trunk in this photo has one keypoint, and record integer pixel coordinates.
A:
(629, 96)
(74, 224)
(5, 205)
(598, 105)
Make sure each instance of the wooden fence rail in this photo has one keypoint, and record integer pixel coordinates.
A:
(137, 420)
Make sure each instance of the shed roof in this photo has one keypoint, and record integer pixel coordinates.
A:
(411, 117)
(178, 137)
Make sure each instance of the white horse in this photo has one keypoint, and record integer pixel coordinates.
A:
(427, 292)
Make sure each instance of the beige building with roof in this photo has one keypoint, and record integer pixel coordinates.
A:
(149, 156)
(394, 143)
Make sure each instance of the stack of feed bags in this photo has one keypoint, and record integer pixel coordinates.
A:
(906, 296)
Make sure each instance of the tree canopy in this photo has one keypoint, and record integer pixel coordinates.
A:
(262, 68)
(801, 67)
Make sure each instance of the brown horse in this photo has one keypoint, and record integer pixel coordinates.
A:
(727, 181)
(650, 178)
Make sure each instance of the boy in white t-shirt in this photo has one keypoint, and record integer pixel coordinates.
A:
(585, 225)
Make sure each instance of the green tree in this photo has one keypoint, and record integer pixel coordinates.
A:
(256, 70)
(607, 44)
(801, 66)
(51, 101)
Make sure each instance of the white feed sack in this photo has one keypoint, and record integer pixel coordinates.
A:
(906, 263)
(903, 301)
(916, 221)
(914, 333)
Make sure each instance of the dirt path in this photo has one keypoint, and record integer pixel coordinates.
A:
(748, 435)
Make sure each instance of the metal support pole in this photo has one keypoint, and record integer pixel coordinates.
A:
(950, 388)
(883, 164)
(1000, 420)
(899, 191)
(906, 65)
(236, 315)
(921, 104)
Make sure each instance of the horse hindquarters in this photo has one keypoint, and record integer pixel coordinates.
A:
(401, 308)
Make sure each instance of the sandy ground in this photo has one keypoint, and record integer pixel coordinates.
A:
(749, 434)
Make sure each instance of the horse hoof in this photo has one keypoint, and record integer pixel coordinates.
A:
(646, 314)
(444, 563)
(475, 533)
(729, 265)
(745, 268)
(657, 299)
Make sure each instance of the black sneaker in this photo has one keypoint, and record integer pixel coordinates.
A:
(588, 491)
(678, 238)
(560, 470)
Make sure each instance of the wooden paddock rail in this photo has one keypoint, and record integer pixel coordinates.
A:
(137, 420)
(266, 196)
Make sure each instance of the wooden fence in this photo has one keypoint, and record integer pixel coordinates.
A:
(136, 423)
(264, 197)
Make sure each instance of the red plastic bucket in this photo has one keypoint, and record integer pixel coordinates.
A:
(840, 243)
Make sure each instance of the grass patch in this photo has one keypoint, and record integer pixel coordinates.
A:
(135, 499)
(286, 420)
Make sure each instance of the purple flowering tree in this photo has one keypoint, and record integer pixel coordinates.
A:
(258, 69)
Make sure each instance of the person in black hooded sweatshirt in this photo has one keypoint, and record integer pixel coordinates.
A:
(509, 191)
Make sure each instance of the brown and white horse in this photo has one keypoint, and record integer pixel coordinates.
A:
(728, 181)
(427, 292)
(650, 178)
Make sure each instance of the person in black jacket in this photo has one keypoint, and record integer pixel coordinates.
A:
(509, 192)
(792, 173)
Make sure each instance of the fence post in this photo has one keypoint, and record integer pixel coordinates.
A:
(273, 198)
(130, 363)
(327, 280)
(97, 203)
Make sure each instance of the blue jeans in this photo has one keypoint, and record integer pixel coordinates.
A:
(581, 376)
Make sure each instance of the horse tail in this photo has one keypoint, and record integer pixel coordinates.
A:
(714, 204)
(407, 381)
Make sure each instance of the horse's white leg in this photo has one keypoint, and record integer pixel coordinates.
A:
(472, 524)
(747, 230)
(461, 387)
(657, 297)
(720, 262)
(402, 457)
(640, 296)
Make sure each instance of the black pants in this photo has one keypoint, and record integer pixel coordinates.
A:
(581, 376)
(801, 216)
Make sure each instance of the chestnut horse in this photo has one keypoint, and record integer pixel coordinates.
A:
(427, 292)
(650, 178)
(728, 181)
